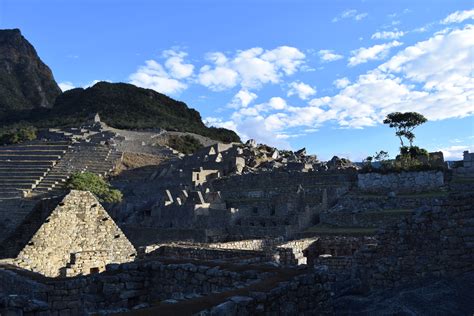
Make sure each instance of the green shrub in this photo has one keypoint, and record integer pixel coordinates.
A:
(185, 144)
(88, 181)
(17, 135)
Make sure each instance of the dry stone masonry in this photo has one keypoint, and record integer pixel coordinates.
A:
(79, 237)
(402, 182)
(234, 229)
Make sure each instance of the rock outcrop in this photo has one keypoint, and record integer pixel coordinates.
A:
(25, 81)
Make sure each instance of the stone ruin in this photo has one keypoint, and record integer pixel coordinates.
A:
(234, 229)
(77, 238)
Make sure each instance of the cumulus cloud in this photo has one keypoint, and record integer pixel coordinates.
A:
(350, 14)
(455, 152)
(458, 17)
(388, 35)
(341, 83)
(327, 55)
(165, 79)
(302, 90)
(376, 52)
(66, 85)
(176, 66)
(432, 77)
(242, 99)
(152, 75)
(250, 68)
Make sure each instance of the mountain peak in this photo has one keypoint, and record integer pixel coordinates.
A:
(25, 81)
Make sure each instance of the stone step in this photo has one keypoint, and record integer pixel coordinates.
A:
(6, 157)
(20, 164)
(36, 147)
(15, 173)
(33, 152)
(16, 185)
(19, 181)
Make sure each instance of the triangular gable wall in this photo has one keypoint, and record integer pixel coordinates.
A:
(79, 237)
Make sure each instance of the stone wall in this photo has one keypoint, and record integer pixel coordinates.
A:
(363, 219)
(125, 286)
(205, 253)
(335, 264)
(251, 244)
(434, 242)
(306, 294)
(295, 252)
(79, 224)
(403, 182)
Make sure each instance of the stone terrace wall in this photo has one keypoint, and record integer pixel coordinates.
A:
(124, 286)
(306, 294)
(204, 253)
(433, 242)
(403, 182)
(251, 244)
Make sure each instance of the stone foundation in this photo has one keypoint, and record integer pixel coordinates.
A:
(403, 182)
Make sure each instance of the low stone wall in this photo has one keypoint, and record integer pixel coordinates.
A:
(142, 236)
(335, 264)
(363, 219)
(403, 182)
(204, 253)
(338, 246)
(125, 286)
(250, 244)
(433, 242)
(306, 294)
(295, 252)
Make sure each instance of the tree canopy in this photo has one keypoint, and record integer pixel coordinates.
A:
(88, 181)
(404, 124)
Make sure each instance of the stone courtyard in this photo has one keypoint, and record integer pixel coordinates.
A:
(233, 229)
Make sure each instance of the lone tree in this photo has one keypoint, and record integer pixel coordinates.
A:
(404, 124)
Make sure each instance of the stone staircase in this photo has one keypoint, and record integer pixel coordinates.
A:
(81, 157)
(23, 166)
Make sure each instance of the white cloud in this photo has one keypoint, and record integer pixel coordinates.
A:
(165, 79)
(388, 35)
(455, 152)
(341, 83)
(67, 85)
(327, 55)
(277, 103)
(242, 99)
(250, 68)
(350, 14)
(432, 77)
(176, 66)
(152, 75)
(376, 52)
(218, 122)
(458, 17)
(302, 90)
(218, 78)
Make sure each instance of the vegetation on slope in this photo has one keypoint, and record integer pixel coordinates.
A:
(122, 106)
(17, 134)
(185, 144)
(95, 184)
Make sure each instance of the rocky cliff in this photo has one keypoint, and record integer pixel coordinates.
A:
(25, 81)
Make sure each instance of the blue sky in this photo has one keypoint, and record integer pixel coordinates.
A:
(314, 74)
